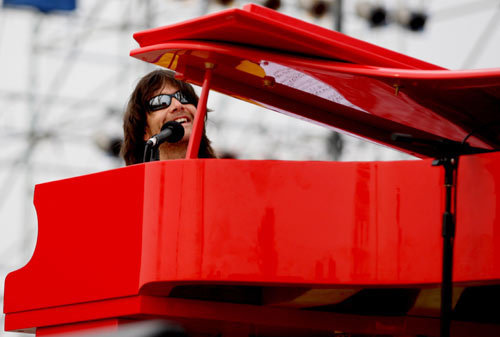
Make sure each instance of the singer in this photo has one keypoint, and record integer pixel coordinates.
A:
(157, 99)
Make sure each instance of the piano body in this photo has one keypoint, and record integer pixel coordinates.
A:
(274, 248)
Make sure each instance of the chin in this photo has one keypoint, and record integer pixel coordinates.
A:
(187, 134)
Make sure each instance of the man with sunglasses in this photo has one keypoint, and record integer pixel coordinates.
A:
(159, 98)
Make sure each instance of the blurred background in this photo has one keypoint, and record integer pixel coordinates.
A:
(65, 77)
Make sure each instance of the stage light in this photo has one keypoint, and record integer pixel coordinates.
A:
(413, 20)
(315, 8)
(375, 14)
(272, 4)
(225, 2)
(319, 8)
(109, 144)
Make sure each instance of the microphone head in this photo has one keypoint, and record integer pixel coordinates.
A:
(177, 131)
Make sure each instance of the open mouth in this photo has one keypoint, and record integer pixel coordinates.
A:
(182, 120)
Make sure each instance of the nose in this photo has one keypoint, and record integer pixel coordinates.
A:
(175, 105)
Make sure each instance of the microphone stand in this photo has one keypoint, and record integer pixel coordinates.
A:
(170, 132)
(450, 164)
(155, 154)
(151, 153)
(147, 153)
(450, 152)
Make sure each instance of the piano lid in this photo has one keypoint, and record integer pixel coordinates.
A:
(310, 72)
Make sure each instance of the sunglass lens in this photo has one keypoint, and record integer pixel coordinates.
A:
(163, 101)
(159, 102)
(181, 97)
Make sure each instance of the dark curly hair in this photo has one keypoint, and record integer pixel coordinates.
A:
(134, 120)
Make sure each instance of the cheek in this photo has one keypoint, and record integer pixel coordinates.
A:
(152, 121)
(147, 128)
(191, 109)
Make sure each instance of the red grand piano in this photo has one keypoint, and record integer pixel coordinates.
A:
(276, 248)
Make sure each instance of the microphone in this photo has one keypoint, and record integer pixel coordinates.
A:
(171, 132)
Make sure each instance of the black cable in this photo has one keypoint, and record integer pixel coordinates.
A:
(482, 127)
(147, 153)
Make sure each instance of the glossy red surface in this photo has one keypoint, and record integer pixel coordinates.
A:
(199, 119)
(99, 326)
(201, 318)
(88, 245)
(479, 182)
(266, 29)
(165, 224)
(372, 99)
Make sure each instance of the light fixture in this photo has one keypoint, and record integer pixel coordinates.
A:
(375, 14)
(413, 20)
(109, 144)
(315, 8)
(272, 4)
(224, 2)
(318, 8)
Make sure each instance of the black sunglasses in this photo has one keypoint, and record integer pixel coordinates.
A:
(164, 100)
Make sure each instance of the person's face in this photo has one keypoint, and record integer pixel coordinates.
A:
(176, 111)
